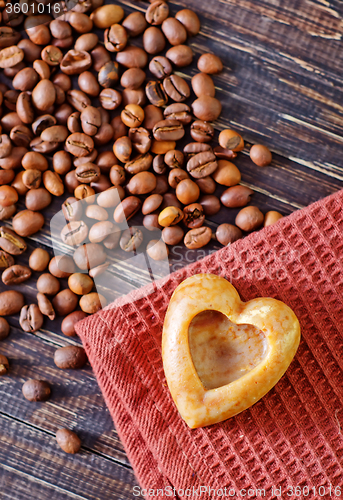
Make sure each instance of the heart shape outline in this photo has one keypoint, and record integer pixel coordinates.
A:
(200, 407)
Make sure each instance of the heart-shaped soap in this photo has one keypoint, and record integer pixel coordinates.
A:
(221, 355)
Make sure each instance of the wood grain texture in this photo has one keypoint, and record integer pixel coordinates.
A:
(281, 86)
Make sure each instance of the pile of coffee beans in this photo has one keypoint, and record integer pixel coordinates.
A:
(93, 111)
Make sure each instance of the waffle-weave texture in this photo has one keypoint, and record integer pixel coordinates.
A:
(292, 437)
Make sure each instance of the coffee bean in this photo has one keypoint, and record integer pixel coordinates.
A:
(87, 42)
(132, 115)
(101, 184)
(193, 215)
(230, 139)
(210, 204)
(43, 95)
(111, 242)
(5, 146)
(64, 302)
(39, 259)
(31, 319)
(224, 154)
(210, 64)
(207, 108)
(7, 212)
(88, 83)
(72, 209)
(172, 235)
(170, 216)
(53, 183)
(110, 197)
(27, 222)
(79, 144)
(236, 196)
(10, 242)
(168, 130)
(140, 139)
(227, 174)
(174, 31)
(37, 199)
(157, 12)
(33, 160)
(36, 390)
(16, 274)
(161, 185)
(193, 148)
(206, 185)
(179, 112)
(190, 21)
(153, 114)
(48, 284)
(8, 196)
(68, 324)
(75, 62)
(6, 260)
(228, 233)
(32, 178)
(136, 97)
(4, 365)
(45, 306)
(80, 283)
(180, 55)
(142, 183)
(92, 302)
(135, 23)
(151, 203)
(132, 78)
(25, 109)
(101, 230)
(156, 94)
(160, 67)
(132, 57)
(157, 250)
(108, 76)
(202, 131)
(68, 441)
(176, 88)
(139, 164)
(197, 238)
(89, 255)
(260, 155)
(159, 147)
(115, 38)
(74, 233)
(70, 357)
(4, 329)
(10, 56)
(131, 239)
(187, 191)
(153, 40)
(202, 164)
(202, 84)
(170, 200)
(176, 176)
(150, 222)
(249, 218)
(87, 173)
(61, 266)
(158, 165)
(271, 217)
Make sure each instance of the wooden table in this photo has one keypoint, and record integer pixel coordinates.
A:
(282, 86)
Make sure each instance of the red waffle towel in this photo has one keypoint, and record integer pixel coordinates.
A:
(292, 437)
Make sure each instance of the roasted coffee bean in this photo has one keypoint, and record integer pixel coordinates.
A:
(61, 162)
(10, 56)
(136, 97)
(44, 95)
(92, 302)
(135, 24)
(31, 319)
(110, 197)
(5, 146)
(202, 131)
(227, 174)
(105, 160)
(271, 217)
(4, 365)
(132, 78)
(8, 196)
(6, 260)
(160, 67)
(207, 108)
(174, 31)
(73, 122)
(39, 125)
(162, 147)
(90, 120)
(168, 130)
(230, 139)
(172, 235)
(7, 212)
(87, 173)
(68, 440)
(79, 144)
(115, 38)
(11, 302)
(139, 164)
(151, 203)
(37, 199)
(180, 55)
(70, 181)
(210, 204)
(170, 200)
(16, 274)
(87, 42)
(122, 148)
(10, 242)
(158, 165)
(150, 222)
(100, 56)
(131, 239)
(140, 139)
(111, 242)
(127, 209)
(61, 266)
(45, 306)
(14, 159)
(72, 209)
(25, 109)
(4, 329)
(193, 148)
(27, 222)
(88, 83)
(197, 238)
(202, 164)
(74, 233)
(48, 284)
(142, 183)
(156, 94)
(161, 185)
(36, 390)
(120, 130)
(132, 115)
(260, 155)
(101, 230)
(228, 233)
(39, 259)
(32, 178)
(20, 136)
(202, 84)
(210, 64)
(80, 283)
(108, 75)
(224, 154)
(249, 218)
(70, 357)
(157, 12)
(193, 215)
(64, 302)
(236, 196)
(187, 191)
(75, 62)
(178, 111)
(89, 255)
(101, 184)
(206, 185)
(170, 216)
(176, 176)
(132, 57)
(153, 40)
(68, 324)
(96, 212)
(190, 21)
(157, 250)
(176, 88)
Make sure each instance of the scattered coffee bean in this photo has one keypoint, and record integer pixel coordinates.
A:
(68, 324)
(68, 441)
(260, 155)
(6, 260)
(236, 196)
(249, 218)
(10, 242)
(228, 233)
(210, 64)
(210, 204)
(64, 302)
(11, 302)
(80, 283)
(131, 239)
(45, 306)
(4, 329)
(31, 319)
(92, 302)
(271, 217)
(4, 365)
(16, 274)
(197, 238)
(157, 250)
(36, 390)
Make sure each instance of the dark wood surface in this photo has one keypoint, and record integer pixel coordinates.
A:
(282, 86)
